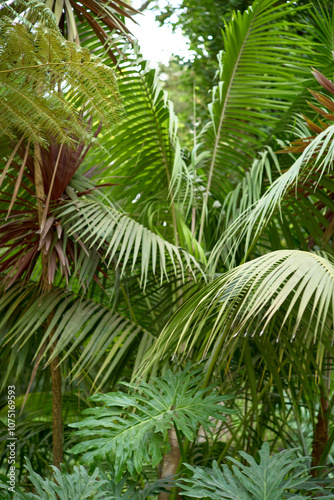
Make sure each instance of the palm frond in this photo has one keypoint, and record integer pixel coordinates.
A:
(143, 152)
(124, 238)
(107, 335)
(249, 85)
(245, 302)
(248, 191)
(312, 165)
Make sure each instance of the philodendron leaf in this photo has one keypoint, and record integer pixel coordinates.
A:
(274, 478)
(80, 485)
(133, 430)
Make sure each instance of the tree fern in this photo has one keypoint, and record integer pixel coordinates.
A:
(35, 65)
(104, 20)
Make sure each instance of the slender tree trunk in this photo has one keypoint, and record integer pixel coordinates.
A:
(171, 461)
(321, 434)
(57, 420)
(321, 431)
(57, 423)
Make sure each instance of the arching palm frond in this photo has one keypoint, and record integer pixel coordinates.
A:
(249, 85)
(273, 477)
(144, 155)
(304, 192)
(245, 302)
(291, 124)
(248, 191)
(125, 239)
(106, 335)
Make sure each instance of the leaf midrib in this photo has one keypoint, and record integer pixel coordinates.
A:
(222, 116)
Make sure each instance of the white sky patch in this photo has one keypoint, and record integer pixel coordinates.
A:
(158, 44)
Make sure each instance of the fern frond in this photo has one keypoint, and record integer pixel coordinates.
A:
(311, 170)
(298, 286)
(49, 87)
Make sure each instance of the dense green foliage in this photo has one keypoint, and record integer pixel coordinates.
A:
(124, 255)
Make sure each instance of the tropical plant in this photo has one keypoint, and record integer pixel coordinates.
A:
(35, 61)
(41, 175)
(273, 478)
(100, 484)
(77, 19)
(132, 429)
(125, 224)
(245, 320)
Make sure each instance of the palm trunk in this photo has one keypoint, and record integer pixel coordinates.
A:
(57, 423)
(171, 461)
(321, 431)
(321, 434)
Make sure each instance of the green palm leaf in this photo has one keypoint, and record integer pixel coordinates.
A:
(302, 194)
(106, 335)
(249, 86)
(246, 300)
(144, 155)
(118, 235)
(312, 165)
